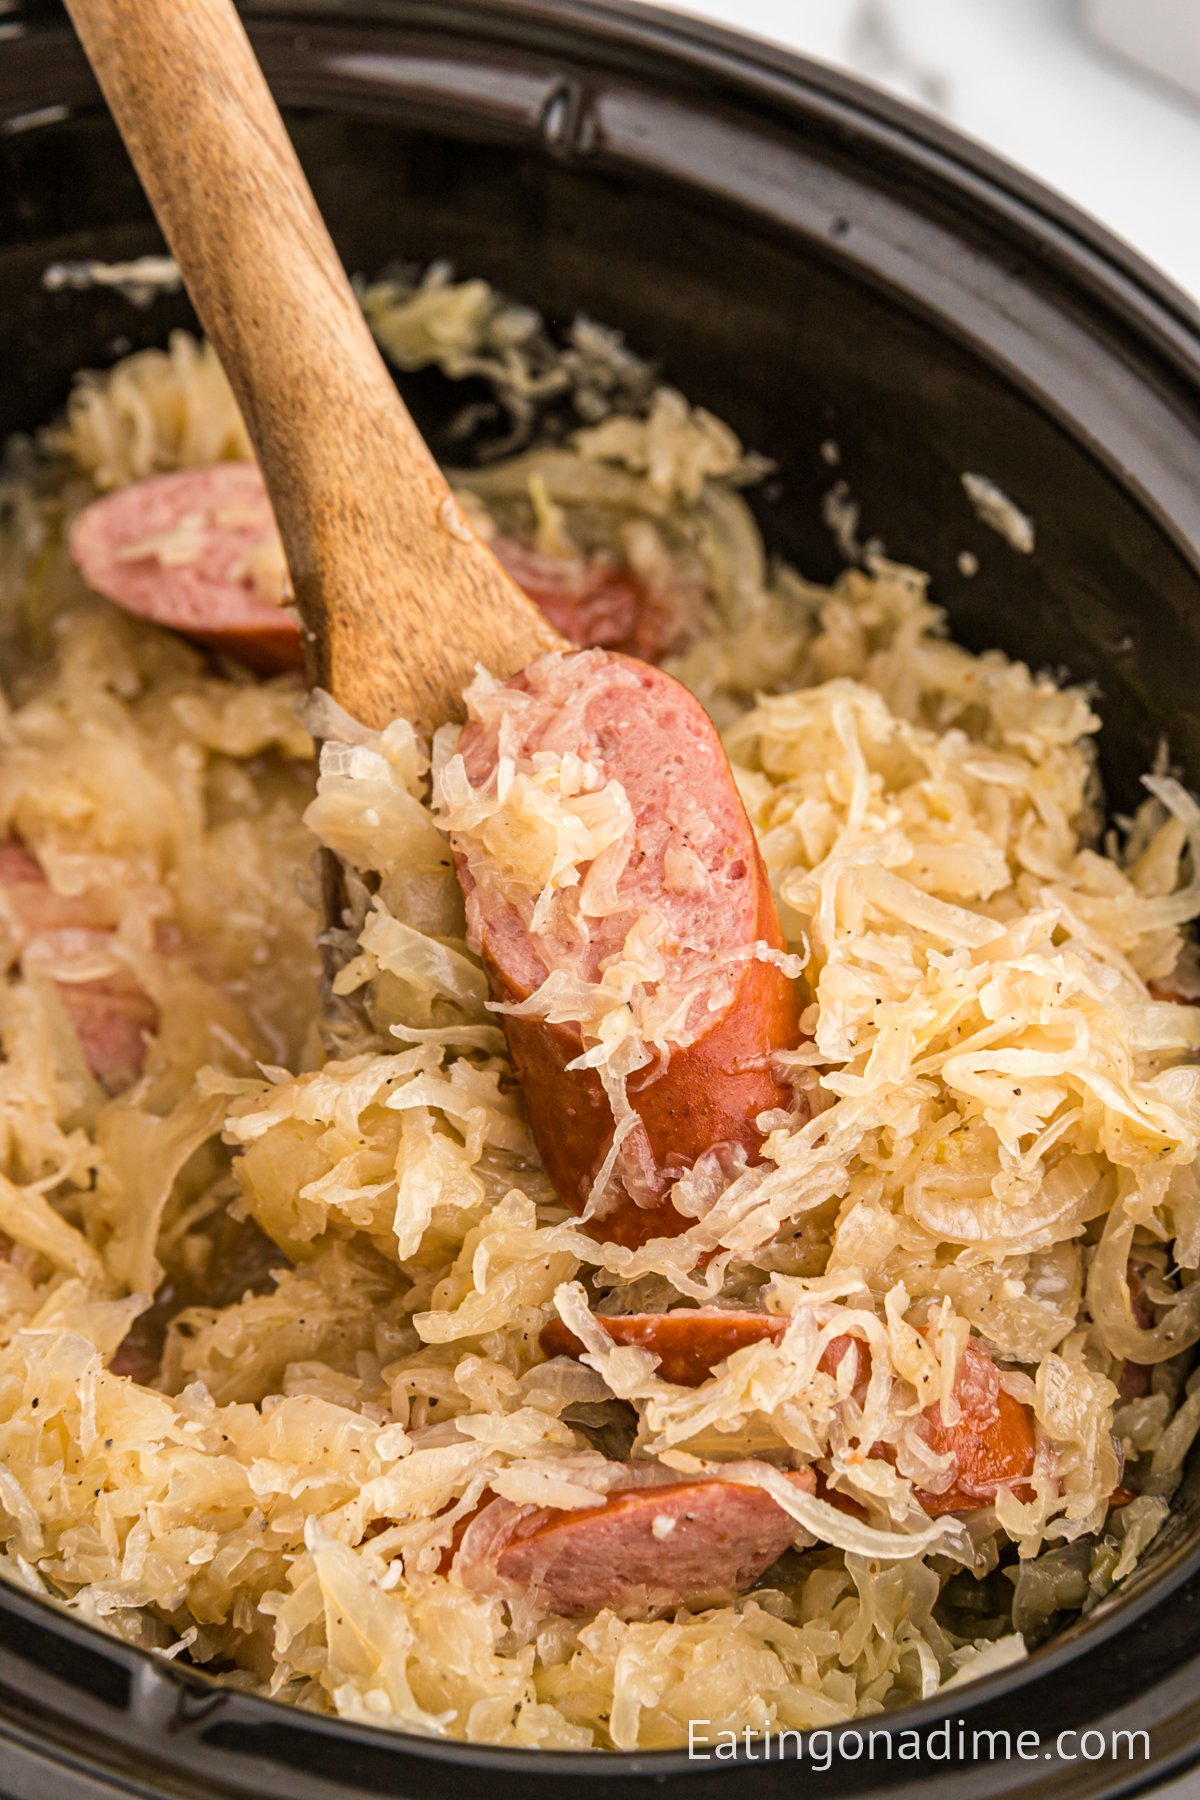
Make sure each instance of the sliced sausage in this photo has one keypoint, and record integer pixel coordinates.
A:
(675, 1543)
(845, 1503)
(111, 1014)
(688, 1343)
(34, 905)
(196, 551)
(693, 865)
(112, 1019)
(597, 605)
(992, 1444)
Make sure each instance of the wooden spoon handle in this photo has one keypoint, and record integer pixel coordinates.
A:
(400, 599)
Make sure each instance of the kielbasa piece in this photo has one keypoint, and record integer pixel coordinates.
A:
(196, 551)
(112, 1019)
(993, 1443)
(110, 1013)
(34, 904)
(688, 1344)
(597, 605)
(671, 1544)
(694, 871)
(844, 1502)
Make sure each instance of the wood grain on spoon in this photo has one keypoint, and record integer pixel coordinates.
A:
(400, 599)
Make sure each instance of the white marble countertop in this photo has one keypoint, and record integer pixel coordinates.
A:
(1023, 77)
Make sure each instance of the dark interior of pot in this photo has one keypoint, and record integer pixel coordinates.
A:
(775, 330)
(805, 276)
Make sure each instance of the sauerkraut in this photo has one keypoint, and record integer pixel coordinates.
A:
(271, 1299)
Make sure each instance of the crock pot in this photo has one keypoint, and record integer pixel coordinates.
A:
(820, 266)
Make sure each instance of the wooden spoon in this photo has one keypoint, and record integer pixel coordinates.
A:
(399, 598)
